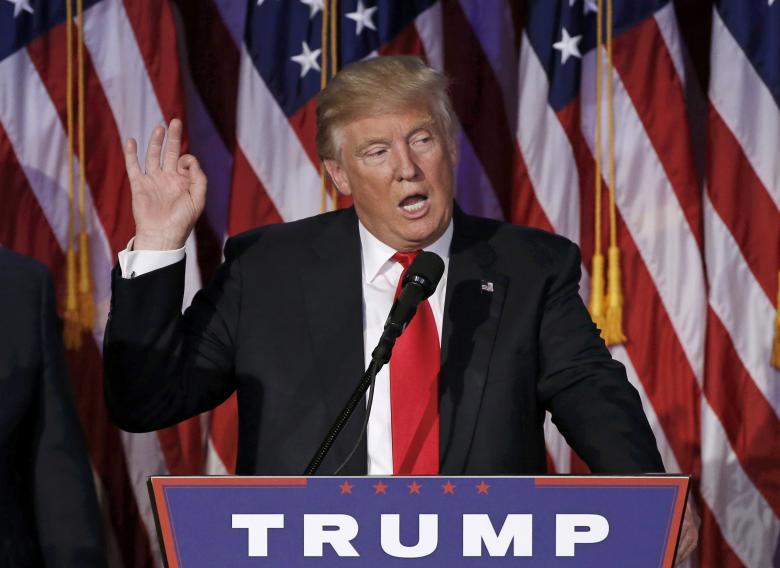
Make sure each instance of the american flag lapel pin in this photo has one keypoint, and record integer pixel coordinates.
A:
(487, 287)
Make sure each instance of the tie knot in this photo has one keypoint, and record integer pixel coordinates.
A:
(405, 258)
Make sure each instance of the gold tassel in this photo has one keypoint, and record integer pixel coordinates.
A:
(86, 302)
(596, 302)
(776, 342)
(613, 331)
(597, 285)
(72, 322)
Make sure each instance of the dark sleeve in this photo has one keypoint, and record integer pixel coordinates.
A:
(587, 392)
(66, 511)
(162, 367)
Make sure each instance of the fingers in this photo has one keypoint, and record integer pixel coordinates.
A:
(152, 163)
(188, 166)
(131, 160)
(172, 146)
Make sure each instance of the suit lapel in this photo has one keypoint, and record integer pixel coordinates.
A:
(333, 300)
(472, 310)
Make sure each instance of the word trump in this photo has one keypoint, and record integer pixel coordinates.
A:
(479, 534)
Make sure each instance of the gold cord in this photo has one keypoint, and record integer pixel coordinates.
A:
(613, 330)
(597, 285)
(72, 330)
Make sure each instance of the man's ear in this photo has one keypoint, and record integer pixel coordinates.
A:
(452, 148)
(338, 176)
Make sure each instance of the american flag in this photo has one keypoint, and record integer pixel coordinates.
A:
(697, 190)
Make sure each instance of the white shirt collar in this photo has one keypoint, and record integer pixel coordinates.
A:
(377, 255)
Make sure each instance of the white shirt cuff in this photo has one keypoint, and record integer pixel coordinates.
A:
(135, 263)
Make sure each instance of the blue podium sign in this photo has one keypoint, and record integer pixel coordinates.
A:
(419, 521)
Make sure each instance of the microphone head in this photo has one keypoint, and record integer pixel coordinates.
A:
(426, 271)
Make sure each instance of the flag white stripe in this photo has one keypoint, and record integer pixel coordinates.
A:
(120, 67)
(667, 24)
(273, 149)
(741, 305)
(745, 519)
(546, 148)
(653, 216)
(28, 120)
(429, 29)
(734, 87)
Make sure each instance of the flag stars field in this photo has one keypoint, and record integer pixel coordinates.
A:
(363, 17)
(568, 46)
(307, 59)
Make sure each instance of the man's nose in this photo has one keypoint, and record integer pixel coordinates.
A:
(404, 166)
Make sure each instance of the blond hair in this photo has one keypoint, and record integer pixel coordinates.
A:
(377, 85)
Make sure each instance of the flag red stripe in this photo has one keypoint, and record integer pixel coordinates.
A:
(745, 414)
(155, 33)
(224, 432)
(304, 124)
(526, 209)
(662, 365)
(478, 100)
(713, 550)
(105, 165)
(250, 205)
(24, 228)
(749, 212)
(109, 184)
(571, 118)
(666, 124)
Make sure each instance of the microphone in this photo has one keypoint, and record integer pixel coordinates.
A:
(419, 283)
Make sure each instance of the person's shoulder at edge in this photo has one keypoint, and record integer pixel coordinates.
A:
(16, 266)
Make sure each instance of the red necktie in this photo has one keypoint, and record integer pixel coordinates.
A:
(414, 390)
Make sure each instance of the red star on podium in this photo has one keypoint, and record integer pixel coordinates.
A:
(346, 487)
(414, 487)
(482, 488)
(448, 488)
(380, 487)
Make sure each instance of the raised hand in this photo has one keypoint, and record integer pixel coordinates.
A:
(167, 198)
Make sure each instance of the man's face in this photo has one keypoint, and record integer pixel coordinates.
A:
(398, 168)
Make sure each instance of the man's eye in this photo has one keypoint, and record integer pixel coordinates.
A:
(375, 153)
(423, 140)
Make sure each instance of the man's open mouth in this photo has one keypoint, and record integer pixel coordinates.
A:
(413, 203)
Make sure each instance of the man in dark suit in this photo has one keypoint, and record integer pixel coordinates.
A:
(48, 508)
(293, 314)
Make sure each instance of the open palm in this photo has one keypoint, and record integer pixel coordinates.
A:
(168, 196)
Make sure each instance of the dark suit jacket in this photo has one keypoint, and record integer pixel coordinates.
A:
(48, 509)
(281, 324)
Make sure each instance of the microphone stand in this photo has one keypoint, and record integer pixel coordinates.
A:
(379, 357)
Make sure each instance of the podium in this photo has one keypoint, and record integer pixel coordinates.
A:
(318, 521)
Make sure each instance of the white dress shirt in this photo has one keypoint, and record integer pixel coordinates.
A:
(380, 279)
